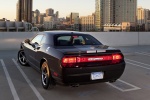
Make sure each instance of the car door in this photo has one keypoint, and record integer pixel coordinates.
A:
(39, 51)
(35, 43)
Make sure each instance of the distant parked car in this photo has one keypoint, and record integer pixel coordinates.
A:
(71, 58)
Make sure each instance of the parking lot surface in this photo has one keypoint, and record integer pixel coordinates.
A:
(23, 83)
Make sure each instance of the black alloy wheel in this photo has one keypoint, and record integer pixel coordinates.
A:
(22, 58)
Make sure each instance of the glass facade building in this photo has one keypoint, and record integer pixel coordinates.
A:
(98, 14)
(24, 10)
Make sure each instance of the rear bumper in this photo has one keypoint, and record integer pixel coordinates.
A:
(83, 75)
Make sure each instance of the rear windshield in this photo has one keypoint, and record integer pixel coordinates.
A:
(72, 39)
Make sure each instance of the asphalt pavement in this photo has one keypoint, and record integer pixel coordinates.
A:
(23, 83)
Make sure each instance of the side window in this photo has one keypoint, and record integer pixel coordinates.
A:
(43, 40)
(37, 39)
(63, 40)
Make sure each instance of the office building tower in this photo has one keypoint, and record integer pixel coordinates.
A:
(36, 15)
(41, 18)
(98, 14)
(142, 15)
(24, 10)
(57, 14)
(125, 11)
(87, 23)
(143, 18)
(114, 11)
(17, 12)
(50, 12)
(74, 18)
(108, 11)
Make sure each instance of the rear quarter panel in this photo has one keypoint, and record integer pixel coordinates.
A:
(53, 57)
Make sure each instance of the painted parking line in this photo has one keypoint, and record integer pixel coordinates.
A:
(123, 86)
(138, 65)
(39, 96)
(11, 85)
(137, 62)
(143, 53)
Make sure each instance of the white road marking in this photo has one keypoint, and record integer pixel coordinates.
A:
(39, 96)
(11, 85)
(138, 65)
(143, 53)
(137, 62)
(124, 90)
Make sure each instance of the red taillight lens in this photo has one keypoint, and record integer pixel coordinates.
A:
(93, 59)
(109, 59)
(117, 57)
(69, 60)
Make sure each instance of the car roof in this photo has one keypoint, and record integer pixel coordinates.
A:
(60, 32)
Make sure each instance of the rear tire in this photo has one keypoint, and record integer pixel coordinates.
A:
(46, 78)
(22, 58)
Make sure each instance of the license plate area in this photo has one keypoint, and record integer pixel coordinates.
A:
(97, 75)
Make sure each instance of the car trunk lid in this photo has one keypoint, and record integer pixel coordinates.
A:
(88, 56)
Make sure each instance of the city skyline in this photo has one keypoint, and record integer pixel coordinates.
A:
(57, 5)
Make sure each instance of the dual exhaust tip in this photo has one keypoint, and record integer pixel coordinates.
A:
(77, 85)
(74, 85)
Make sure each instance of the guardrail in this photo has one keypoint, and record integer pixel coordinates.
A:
(12, 40)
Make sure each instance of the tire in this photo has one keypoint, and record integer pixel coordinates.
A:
(46, 78)
(22, 58)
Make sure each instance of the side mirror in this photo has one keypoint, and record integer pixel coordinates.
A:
(27, 41)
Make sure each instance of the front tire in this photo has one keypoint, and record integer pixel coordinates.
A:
(46, 77)
(22, 58)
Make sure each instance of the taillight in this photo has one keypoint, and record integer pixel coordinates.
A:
(93, 59)
(73, 61)
(69, 60)
(116, 58)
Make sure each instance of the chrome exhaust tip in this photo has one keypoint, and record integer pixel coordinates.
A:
(74, 85)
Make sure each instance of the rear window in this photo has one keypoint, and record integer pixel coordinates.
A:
(75, 39)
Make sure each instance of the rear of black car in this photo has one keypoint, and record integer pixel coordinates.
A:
(86, 60)
(85, 69)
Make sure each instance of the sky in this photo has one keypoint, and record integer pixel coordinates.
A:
(65, 7)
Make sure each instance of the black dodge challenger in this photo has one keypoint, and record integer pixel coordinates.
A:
(71, 58)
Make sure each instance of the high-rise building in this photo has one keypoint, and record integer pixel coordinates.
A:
(74, 18)
(41, 18)
(142, 15)
(74, 21)
(24, 10)
(114, 11)
(17, 12)
(108, 11)
(143, 18)
(57, 14)
(50, 12)
(49, 22)
(125, 11)
(87, 23)
(36, 14)
(98, 14)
